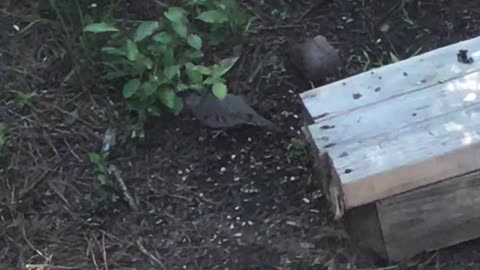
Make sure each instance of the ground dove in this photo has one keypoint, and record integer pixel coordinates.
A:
(315, 58)
(232, 111)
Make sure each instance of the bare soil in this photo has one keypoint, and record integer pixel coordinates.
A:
(242, 200)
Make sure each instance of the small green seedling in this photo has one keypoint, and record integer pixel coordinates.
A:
(22, 99)
(99, 163)
(3, 139)
(296, 149)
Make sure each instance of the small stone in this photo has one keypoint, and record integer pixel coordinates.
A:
(316, 58)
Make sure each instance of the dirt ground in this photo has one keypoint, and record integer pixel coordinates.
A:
(242, 200)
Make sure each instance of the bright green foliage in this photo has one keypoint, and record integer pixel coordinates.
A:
(159, 59)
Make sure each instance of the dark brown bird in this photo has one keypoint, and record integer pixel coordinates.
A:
(232, 111)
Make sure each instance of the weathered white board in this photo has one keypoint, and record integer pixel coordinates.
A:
(408, 157)
(401, 78)
(398, 112)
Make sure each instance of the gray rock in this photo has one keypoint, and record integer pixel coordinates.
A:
(315, 57)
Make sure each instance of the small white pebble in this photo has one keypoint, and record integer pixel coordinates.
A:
(292, 178)
(236, 179)
(237, 208)
(232, 226)
(379, 40)
(250, 222)
(94, 5)
(291, 223)
(180, 172)
(16, 27)
(233, 156)
(201, 194)
(349, 20)
(237, 218)
(229, 217)
(249, 139)
(184, 178)
(306, 200)
(295, 116)
(223, 169)
(238, 235)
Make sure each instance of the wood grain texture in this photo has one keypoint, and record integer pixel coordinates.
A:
(432, 217)
(408, 158)
(400, 111)
(407, 76)
(363, 227)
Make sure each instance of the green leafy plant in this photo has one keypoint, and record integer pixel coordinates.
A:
(160, 59)
(99, 164)
(3, 139)
(296, 148)
(23, 99)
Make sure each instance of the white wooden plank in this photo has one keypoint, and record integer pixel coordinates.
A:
(407, 158)
(403, 77)
(398, 112)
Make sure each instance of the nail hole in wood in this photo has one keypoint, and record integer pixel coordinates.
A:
(414, 114)
(330, 145)
(377, 89)
(405, 74)
(357, 96)
(344, 154)
(327, 127)
(348, 171)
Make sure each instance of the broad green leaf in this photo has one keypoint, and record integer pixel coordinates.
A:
(163, 38)
(113, 51)
(178, 19)
(204, 70)
(197, 87)
(213, 16)
(195, 41)
(146, 62)
(171, 71)
(182, 87)
(193, 73)
(224, 66)
(181, 29)
(130, 88)
(219, 90)
(177, 106)
(175, 15)
(149, 88)
(146, 29)
(100, 28)
(132, 50)
(213, 80)
(167, 97)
